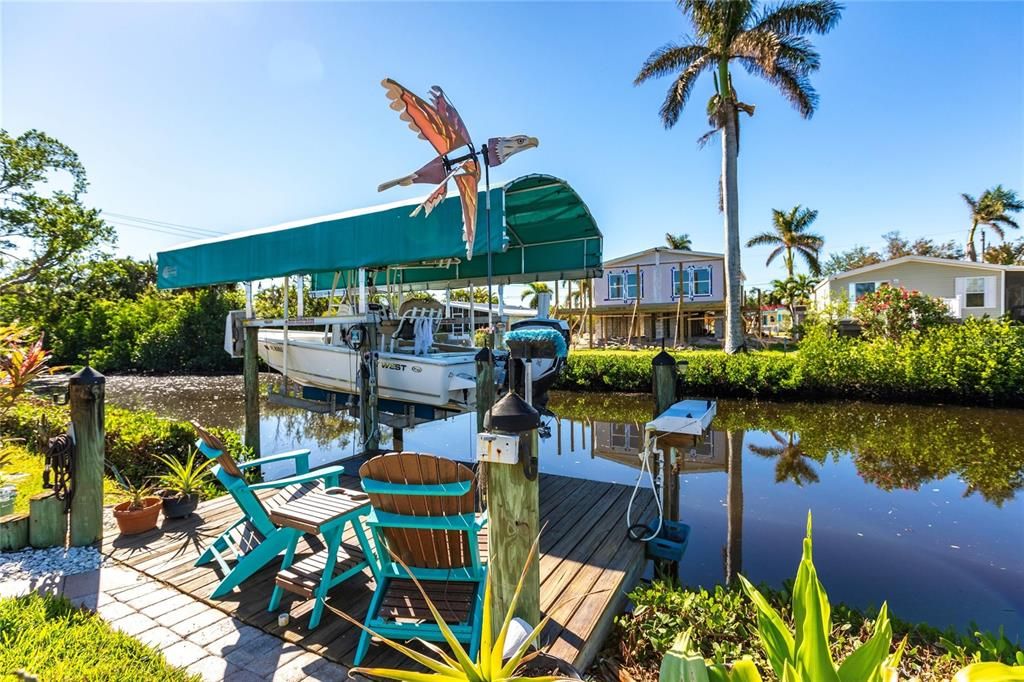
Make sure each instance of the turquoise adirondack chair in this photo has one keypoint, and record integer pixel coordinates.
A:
(254, 540)
(422, 512)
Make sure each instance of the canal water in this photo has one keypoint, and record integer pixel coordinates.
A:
(920, 506)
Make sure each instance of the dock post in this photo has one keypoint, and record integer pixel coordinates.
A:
(664, 383)
(484, 385)
(251, 381)
(47, 523)
(87, 390)
(513, 507)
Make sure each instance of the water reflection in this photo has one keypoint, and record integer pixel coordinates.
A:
(916, 505)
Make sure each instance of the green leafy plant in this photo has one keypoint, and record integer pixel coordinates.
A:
(805, 655)
(490, 664)
(894, 312)
(134, 494)
(185, 478)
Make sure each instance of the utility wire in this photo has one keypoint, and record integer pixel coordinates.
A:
(160, 225)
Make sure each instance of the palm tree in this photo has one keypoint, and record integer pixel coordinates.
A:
(679, 242)
(790, 235)
(769, 44)
(531, 291)
(792, 460)
(992, 210)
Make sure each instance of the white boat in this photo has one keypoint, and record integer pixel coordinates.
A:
(440, 379)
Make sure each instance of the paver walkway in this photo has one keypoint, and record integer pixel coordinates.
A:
(189, 633)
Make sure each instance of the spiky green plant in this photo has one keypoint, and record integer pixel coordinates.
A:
(459, 667)
(185, 478)
(134, 494)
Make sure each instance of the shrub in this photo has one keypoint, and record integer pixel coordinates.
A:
(977, 361)
(134, 439)
(893, 312)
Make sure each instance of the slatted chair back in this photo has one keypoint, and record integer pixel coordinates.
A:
(415, 498)
(230, 476)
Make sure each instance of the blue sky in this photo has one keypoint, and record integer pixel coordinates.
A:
(240, 115)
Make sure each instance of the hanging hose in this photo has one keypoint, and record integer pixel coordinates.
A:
(636, 530)
(60, 467)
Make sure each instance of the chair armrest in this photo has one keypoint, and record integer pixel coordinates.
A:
(481, 520)
(301, 458)
(329, 475)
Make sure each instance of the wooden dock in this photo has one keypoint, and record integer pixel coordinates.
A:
(587, 565)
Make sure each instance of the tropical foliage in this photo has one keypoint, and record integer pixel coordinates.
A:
(790, 236)
(992, 210)
(794, 634)
(894, 312)
(43, 233)
(190, 476)
(531, 290)
(768, 43)
(680, 242)
(491, 662)
(978, 361)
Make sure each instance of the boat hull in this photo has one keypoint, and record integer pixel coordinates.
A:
(445, 380)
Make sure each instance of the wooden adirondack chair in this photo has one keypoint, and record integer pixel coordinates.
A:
(254, 540)
(423, 513)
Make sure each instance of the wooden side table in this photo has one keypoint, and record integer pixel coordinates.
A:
(324, 514)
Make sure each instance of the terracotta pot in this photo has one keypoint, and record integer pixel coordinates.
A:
(178, 506)
(134, 521)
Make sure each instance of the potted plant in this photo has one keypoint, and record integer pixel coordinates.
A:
(8, 493)
(139, 513)
(182, 483)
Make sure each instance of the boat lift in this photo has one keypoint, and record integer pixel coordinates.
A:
(541, 231)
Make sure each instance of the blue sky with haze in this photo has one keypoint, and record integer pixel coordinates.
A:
(239, 115)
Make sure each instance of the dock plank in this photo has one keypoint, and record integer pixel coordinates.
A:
(587, 565)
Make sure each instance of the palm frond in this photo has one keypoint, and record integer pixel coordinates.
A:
(795, 17)
(764, 239)
(810, 257)
(668, 59)
(679, 92)
(775, 254)
(796, 88)
(970, 201)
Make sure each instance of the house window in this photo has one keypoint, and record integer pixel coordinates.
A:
(614, 286)
(974, 292)
(631, 286)
(695, 281)
(624, 436)
(862, 289)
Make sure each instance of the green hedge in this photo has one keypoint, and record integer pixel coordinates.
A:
(977, 362)
(133, 438)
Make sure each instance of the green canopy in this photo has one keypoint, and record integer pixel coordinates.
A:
(540, 230)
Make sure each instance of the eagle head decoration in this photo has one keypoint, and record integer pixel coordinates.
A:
(500, 148)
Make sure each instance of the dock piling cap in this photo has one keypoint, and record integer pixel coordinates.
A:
(511, 414)
(662, 359)
(86, 376)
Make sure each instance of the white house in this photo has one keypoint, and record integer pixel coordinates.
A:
(969, 289)
(658, 294)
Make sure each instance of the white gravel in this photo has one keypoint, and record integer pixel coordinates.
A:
(34, 564)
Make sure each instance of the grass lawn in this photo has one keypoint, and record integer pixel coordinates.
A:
(53, 640)
(25, 472)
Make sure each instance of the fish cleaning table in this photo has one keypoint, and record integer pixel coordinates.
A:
(325, 514)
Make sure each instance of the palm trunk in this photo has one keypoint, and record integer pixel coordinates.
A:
(734, 341)
(972, 253)
(734, 506)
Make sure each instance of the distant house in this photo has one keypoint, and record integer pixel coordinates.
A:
(642, 296)
(969, 289)
(776, 320)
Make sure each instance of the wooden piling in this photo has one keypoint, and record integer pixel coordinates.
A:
(251, 381)
(664, 381)
(87, 389)
(47, 523)
(484, 385)
(513, 507)
(13, 532)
